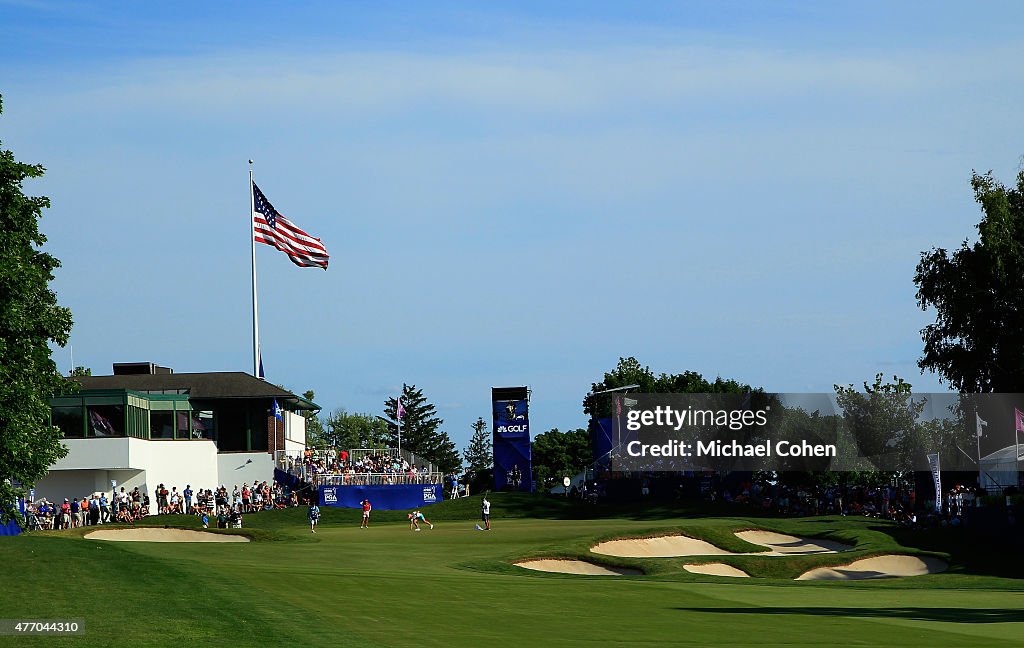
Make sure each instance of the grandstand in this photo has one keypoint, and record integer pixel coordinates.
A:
(389, 478)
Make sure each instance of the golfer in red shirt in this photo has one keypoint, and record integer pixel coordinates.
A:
(366, 514)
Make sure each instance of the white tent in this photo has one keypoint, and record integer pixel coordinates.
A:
(1001, 469)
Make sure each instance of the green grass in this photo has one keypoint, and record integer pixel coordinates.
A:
(454, 586)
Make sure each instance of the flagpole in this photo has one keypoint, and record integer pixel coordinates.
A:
(255, 311)
(399, 412)
(979, 422)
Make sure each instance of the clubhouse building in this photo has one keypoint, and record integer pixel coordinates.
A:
(146, 425)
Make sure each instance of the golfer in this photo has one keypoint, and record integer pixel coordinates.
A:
(314, 516)
(366, 514)
(414, 521)
(485, 513)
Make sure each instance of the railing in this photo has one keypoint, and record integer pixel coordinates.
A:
(355, 454)
(295, 465)
(376, 479)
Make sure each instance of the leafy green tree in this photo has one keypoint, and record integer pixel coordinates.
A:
(629, 371)
(796, 425)
(29, 320)
(560, 454)
(976, 343)
(314, 427)
(882, 419)
(420, 430)
(83, 371)
(345, 430)
(945, 436)
(479, 454)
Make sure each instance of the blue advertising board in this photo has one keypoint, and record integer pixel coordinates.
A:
(382, 498)
(513, 464)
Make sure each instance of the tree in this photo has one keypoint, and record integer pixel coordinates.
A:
(560, 454)
(420, 433)
(883, 419)
(629, 371)
(977, 341)
(479, 454)
(29, 320)
(84, 371)
(345, 430)
(314, 427)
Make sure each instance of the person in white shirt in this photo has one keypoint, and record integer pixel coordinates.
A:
(485, 513)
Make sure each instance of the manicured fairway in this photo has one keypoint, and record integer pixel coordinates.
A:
(455, 586)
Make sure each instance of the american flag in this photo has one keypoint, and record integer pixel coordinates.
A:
(274, 229)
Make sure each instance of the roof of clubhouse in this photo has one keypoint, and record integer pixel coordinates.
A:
(147, 377)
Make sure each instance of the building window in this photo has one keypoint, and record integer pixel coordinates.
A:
(137, 422)
(203, 425)
(69, 420)
(161, 424)
(106, 420)
(182, 418)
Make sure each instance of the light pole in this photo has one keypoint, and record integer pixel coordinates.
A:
(614, 389)
(624, 388)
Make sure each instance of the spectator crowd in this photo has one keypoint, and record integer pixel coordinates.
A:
(315, 464)
(126, 507)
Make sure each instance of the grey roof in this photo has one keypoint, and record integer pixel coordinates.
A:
(220, 384)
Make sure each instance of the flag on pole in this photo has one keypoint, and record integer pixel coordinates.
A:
(277, 410)
(933, 464)
(1019, 416)
(272, 228)
(401, 410)
(980, 424)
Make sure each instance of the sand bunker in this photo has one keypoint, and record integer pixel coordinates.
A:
(890, 566)
(787, 545)
(680, 545)
(660, 547)
(161, 535)
(716, 569)
(564, 566)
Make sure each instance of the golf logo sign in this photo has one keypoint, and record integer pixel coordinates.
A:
(429, 496)
(330, 496)
(510, 407)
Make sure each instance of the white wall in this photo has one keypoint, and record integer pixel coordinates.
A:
(295, 429)
(72, 484)
(175, 463)
(236, 468)
(106, 454)
(92, 463)
(294, 449)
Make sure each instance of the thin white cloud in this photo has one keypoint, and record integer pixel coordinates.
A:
(551, 82)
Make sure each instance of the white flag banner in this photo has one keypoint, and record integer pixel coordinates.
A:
(933, 463)
(981, 424)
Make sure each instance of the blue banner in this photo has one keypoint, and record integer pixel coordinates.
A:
(513, 465)
(12, 528)
(602, 441)
(382, 498)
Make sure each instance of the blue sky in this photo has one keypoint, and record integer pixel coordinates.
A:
(511, 193)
